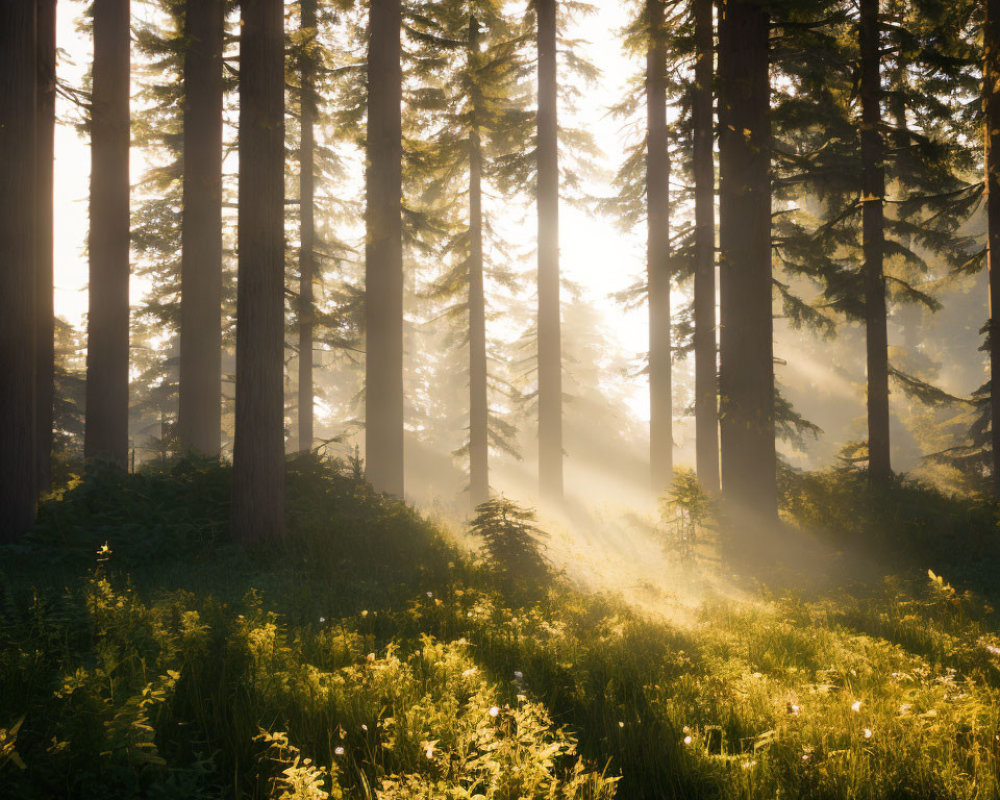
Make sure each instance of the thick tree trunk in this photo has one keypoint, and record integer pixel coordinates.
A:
(384, 252)
(749, 478)
(107, 321)
(479, 480)
(307, 229)
(199, 422)
(991, 101)
(44, 310)
(873, 240)
(18, 116)
(706, 404)
(550, 449)
(259, 449)
(661, 440)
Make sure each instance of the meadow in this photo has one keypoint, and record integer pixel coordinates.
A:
(375, 653)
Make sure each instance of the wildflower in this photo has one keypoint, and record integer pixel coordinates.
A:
(429, 749)
(856, 705)
(868, 733)
(518, 675)
(364, 727)
(621, 724)
(494, 711)
(370, 657)
(364, 613)
(430, 594)
(794, 708)
(469, 672)
(322, 620)
(338, 751)
(687, 739)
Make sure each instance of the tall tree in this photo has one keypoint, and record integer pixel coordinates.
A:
(479, 410)
(749, 461)
(199, 420)
(384, 251)
(550, 452)
(873, 241)
(18, 118)
(108, 316)
(307, 222)
(706, 402)
(661, 441)
(44, 286)
(258, 500)
(991, 103)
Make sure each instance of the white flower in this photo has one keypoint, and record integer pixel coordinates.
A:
(322, 620)
(364, 727)
(518, 675)
(494, 711)
(687, 740)
(868, 733)
(856, 705)
(338, 751)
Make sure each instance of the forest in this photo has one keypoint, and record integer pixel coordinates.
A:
(499, 399)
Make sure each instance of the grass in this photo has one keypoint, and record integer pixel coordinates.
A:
(371, 655)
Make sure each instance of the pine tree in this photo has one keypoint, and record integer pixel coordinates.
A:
(384, 252)
(44, 285)
(258, 497)
(706, 401)
(550, 445)
(747, 371)
(307, 221)
(658, 260)
(991, 138)
(18, 120)
(199, 420)
(108, 316)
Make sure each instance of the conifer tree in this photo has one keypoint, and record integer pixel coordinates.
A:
(307, 212)
(384, 251)
(108, 316)
(199, 420)
(991, 138)
(18, 266)
(658, 260)
(749, 465)
(706, 403)
(550, 444)
(258, 495)
(44, 280)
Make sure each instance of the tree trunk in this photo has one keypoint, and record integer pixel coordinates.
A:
(106, 433)
(747, 366)
(18, 117)
(661, 441)
(199, 422)
(307, 233)
(706, 405)
(44, 286)
(991, 100)
(384, 252)
(258, 447)
(873, 239)
(479, 480)
(550, 455)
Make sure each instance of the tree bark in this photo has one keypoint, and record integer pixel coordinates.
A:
(307, 231)
(18, 118)
(749, 478)
(661, 441)
(873, 242)
(706, 404)
(991, 101)
(479, 481)
(384, 251)
(550, 453)
(259, 449)
(44, 284)
(107, 391)
(199, 422)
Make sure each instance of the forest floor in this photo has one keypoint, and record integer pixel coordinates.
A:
(371, 654)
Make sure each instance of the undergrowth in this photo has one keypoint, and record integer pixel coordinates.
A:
(370, 656)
